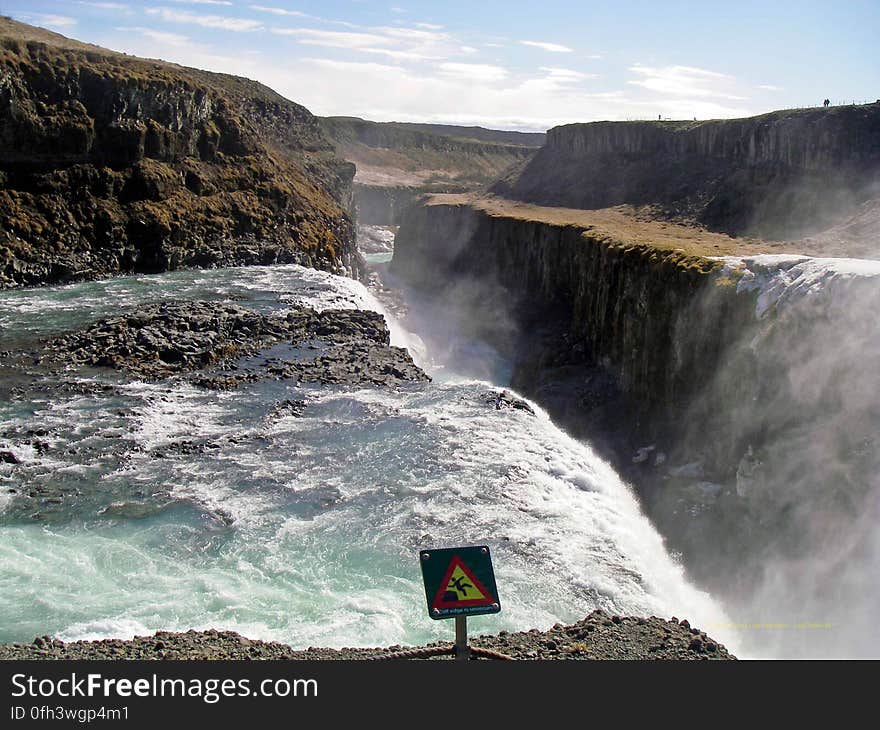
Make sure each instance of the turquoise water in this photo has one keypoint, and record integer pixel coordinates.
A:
(379, 258)
(187, 508)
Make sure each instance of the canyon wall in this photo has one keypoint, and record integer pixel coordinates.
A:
(397, 162)
(617, 302)
(382, 205)
(737, 393)
(112, 164)
(777, 175)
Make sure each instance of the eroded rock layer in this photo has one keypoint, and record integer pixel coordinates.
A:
(112, 164)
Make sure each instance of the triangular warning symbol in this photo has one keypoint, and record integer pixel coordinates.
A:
(460, 587)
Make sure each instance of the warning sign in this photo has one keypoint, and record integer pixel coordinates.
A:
(459, 582)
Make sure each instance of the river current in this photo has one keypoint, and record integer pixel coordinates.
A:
(190, 508)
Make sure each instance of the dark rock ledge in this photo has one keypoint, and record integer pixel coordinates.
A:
(599, 636)
(217, 345)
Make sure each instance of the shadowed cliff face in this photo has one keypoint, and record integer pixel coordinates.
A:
(778, 175)
(737, 393)
(579, 298)
(112, 164)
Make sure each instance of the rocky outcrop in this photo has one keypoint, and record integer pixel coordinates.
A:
(346, 346)
(778, 175)
(112, 164)
(598, 636)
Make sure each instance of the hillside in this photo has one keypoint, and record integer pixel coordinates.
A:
(785, 174)
(397, 162)
(112, 164)
(479, 134)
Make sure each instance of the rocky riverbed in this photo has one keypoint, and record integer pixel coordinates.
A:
(214, 346)
(219, 345)
(598, 636)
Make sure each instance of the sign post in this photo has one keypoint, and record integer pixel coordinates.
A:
(462, 652)
(459, 582)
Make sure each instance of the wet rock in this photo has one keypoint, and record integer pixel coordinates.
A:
(7, 457)
(504, 399)
(692, 470)
(287, 407)
(214, 339)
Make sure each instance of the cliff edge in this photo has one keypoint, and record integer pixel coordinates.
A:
(785, 174)
(114, 164)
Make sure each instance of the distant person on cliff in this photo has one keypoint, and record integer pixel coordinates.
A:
(827, 102)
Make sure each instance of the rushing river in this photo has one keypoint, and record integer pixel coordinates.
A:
(192, 508)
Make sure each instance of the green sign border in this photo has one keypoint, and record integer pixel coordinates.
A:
(477, 558)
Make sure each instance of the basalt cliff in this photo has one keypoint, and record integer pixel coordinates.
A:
(114, 164)
(779, 175)
(612, 232)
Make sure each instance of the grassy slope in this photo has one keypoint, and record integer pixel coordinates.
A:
(428, 156)
(629, 226)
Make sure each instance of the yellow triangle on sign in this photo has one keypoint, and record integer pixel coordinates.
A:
(463, 587)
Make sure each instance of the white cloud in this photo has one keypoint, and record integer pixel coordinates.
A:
(355, 66)
(473, 71)
(401, 55)
(399, 44)
(203, 2)
(684, 82)
(333, 38)
(206, 21)
(495, 97)
(770, 87)
(423, 74)
(551, 47)
(277, 11)
(158, 36)
(104, 6)
(564, 75)
(428, 26)
(48, 20)
(411, 34)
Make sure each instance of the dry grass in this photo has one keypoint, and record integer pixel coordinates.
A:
(630, 226)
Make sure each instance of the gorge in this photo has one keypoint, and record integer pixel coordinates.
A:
(639, 359)
(727, 378)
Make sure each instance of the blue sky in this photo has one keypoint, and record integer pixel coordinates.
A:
(516, 65)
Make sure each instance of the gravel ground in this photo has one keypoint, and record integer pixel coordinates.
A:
(599, 636)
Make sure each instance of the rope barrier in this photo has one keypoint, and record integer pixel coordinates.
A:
(491, 654)
(431, 651)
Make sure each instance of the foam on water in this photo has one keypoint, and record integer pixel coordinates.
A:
(811, 409)
(784, 280)
(305, 529)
